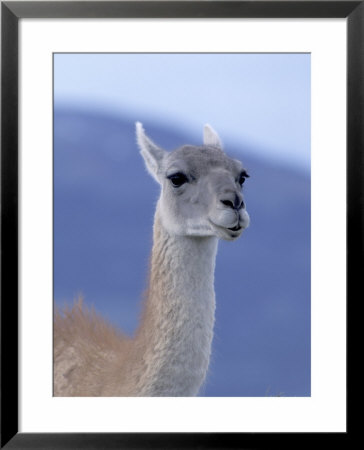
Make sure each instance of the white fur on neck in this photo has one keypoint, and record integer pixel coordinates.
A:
(177, 329)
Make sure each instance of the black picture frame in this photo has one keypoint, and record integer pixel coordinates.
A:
(11, 12)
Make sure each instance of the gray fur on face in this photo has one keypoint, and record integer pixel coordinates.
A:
(209, 202)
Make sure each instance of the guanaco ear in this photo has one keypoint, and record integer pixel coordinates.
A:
(151, 153)
(210, 137)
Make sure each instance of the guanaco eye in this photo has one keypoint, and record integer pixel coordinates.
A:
(177, 179)
(242, 177)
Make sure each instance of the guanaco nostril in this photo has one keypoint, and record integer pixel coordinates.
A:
(237, 204)
(228, 203)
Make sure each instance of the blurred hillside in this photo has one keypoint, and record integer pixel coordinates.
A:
(103, 214)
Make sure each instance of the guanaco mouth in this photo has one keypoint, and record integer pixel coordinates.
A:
(236, 228)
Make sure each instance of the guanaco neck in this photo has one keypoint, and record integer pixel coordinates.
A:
(175, 335)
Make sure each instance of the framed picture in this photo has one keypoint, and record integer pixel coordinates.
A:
(76, 77)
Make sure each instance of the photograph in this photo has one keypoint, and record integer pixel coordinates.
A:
(182, 224)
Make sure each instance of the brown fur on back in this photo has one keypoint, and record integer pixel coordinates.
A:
(88, 352)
